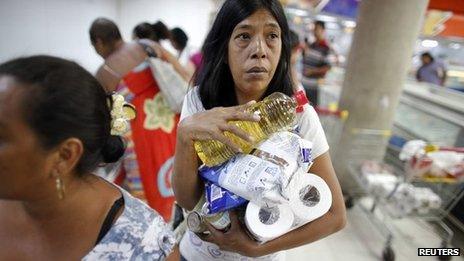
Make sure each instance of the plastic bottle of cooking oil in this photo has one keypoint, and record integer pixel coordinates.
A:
(277, 112)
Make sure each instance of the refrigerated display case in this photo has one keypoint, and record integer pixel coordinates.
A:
(431, 113)
(425, 111)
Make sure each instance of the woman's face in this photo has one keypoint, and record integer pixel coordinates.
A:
(24, 165)
(253, 54)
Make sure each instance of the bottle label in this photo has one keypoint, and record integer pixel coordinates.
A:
(220, 220)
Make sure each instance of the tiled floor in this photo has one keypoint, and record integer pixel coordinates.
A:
(362, 241)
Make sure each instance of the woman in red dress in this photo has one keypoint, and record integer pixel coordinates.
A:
(153, 132)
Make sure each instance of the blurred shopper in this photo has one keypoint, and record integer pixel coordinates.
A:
(315, 62)
(154, 129)
(431, 71)
(179, 41)
(161, 30)
(163, 34)
(57, 127)
(246, 58)
(295, 55)
(144, 31)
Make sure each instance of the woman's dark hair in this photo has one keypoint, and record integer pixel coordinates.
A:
(145, 31)
(216, 85)
(178, 35)
(161, 30)
(105, 30)
(62, 101)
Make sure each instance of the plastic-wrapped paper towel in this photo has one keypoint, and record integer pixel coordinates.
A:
(266, 223)
(309, 199)
(409, 199)
(378, 178)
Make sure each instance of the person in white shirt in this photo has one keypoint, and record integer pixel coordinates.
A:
(179, 41)
(246, 58)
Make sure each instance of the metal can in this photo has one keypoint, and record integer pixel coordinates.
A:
(220, 221)
(195, 222)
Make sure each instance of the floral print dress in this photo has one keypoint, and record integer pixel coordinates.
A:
(138, 234)
(150, 154)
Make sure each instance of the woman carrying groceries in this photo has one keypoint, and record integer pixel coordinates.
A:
(246, 58)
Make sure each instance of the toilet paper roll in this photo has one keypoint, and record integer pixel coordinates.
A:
(267, 223)
(309, 197)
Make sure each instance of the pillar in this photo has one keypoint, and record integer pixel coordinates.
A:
(376, 71)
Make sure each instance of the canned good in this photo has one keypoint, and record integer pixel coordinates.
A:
(195, 222)
(220, 221)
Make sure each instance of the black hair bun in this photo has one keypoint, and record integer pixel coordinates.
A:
(113, 149)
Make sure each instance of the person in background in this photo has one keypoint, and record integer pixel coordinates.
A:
(144, 31)
(154, 129)
(147, 31)
(315, 62)
(246, 58)
(161, 30)
(295, 54)
(163, 34)
(431, 71)
(179, 41)
(56, 128)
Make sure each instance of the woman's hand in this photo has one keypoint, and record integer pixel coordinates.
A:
(211, 124)
(234, 240)
(159, 50)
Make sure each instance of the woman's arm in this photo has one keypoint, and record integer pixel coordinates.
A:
(184, 72)
(127, 57)
(190, 68)
(205, 125)
(118, 64)
(168, 57)
(185, 181)
(236, 240)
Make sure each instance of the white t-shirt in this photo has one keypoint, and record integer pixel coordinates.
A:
(191, 246)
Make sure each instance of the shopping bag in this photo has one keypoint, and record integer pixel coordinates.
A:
(171, 84)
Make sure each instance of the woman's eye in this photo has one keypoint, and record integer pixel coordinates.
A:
(273, 36)
(243, 36)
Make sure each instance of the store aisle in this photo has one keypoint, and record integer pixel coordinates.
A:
(361, 241)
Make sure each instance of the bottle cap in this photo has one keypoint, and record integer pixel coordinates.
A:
(301, 100)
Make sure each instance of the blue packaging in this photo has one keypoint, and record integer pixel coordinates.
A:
(220, 199)
(211, 174)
